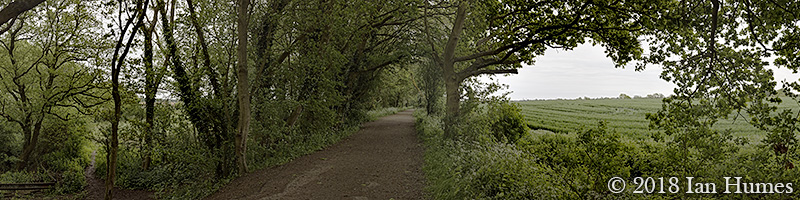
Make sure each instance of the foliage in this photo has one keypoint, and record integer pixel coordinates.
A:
(456, 169)
(10, 146)
(180, 165)
(432, 86)
(63, 153)
(45, 72)
(62, 158)
(496, 37)
(719, 61)
(507, 122)
(20, 177)
(578, 162)
(319, 66)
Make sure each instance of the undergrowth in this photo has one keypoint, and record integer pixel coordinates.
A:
(184, 170)
(577, 165)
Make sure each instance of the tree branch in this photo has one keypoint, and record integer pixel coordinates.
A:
(478, 67)
(16, 8)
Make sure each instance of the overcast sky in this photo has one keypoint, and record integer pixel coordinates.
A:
(587, 72)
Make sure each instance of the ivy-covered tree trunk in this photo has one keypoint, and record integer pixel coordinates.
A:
(152, 80)
(209, 115)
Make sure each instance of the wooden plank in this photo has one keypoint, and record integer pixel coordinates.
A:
(26, 186)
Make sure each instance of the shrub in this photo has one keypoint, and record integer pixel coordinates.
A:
(72, 181)
(10, 145)
(20, 177)
(62, 154)
(507, 122)
(457, 169)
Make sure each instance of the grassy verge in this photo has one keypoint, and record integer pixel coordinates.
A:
(262, 158)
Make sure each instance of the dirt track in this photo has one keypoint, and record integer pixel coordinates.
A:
(383, 160)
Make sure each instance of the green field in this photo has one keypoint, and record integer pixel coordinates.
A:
(625, 116)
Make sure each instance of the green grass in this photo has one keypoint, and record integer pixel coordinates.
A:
(625, 116)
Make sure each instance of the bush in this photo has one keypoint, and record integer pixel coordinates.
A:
(456, 169)
(578, 165)
(507, 122)
(582, 162)
(10, 145)
(64, 154)
(20, 177)
(72, 181)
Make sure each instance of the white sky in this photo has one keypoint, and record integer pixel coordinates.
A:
(587, 72)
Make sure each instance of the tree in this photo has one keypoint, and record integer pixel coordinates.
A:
(243, 88)
(152, 81)
(45, 75)
(432, 86)
(655, 96)
(121, 49)
(211, 113)
(306, 65)
(492, 37)
(718, 59)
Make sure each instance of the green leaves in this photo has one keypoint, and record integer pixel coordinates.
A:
(507, 122)
(718, 59)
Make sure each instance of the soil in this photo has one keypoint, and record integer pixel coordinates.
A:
(383, 160)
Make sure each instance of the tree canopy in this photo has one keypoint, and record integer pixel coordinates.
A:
(224, 87)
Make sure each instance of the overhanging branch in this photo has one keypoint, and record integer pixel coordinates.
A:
(493, 71)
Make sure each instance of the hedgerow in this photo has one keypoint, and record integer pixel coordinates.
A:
(578, 165)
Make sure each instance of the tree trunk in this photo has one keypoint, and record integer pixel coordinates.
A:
(294, 116)
(150, 89)
(452, 113)
(243, 88)
(212, 74)
(111, 157)
(31, 140)
(117, 62)
(451, 81)
(205, 117)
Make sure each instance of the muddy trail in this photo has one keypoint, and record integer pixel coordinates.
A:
(383, 160)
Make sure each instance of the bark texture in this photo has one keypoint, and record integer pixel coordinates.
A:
(243, 89)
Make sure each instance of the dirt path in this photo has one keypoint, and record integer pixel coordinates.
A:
(95, 187)
(383, 160)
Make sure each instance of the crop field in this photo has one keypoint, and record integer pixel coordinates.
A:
(625, 116)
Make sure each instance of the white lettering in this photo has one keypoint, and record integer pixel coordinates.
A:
(789, 188)
(728, 185)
